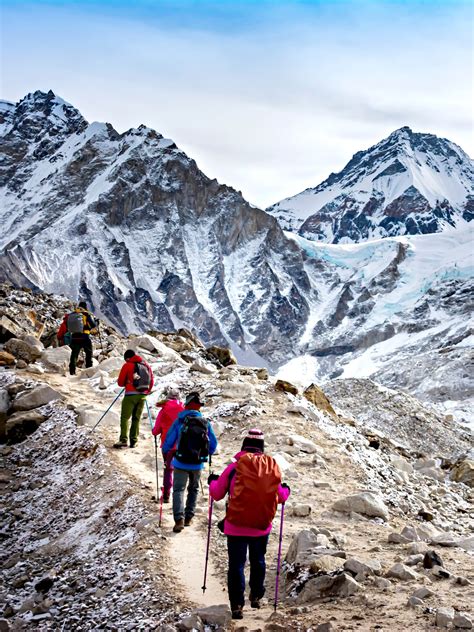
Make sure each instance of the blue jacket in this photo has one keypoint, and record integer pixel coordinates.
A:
(172, 438)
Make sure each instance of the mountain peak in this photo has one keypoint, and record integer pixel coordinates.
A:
(408, 183)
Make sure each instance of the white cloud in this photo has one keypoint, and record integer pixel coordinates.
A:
(269, 109)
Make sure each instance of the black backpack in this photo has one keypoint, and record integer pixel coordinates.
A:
(75, 323)
(193, 442)
(141, 378)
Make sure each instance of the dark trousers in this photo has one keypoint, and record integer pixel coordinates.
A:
(77, 343)
(183, 478)
(237, 550)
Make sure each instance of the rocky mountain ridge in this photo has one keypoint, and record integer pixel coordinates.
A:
(407, 184)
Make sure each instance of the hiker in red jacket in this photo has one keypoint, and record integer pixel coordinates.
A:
(170, 409)
(252, 481)
(137, 378)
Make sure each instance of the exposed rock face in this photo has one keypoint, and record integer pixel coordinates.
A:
(407, 184)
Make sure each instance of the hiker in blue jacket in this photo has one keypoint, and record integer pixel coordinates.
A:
(195, 442)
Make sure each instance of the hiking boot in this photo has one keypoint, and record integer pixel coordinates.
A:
(121, 444)
(188, 522)
(237, 613)
(254, 603)
(133, 444)
(166, 498)
(178, 526)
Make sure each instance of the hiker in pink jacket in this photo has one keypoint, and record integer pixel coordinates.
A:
(249, 516)
(170, 409)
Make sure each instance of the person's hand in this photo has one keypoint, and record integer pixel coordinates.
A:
(212, 477)
(285, 486)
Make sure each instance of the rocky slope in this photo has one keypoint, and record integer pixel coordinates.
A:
(378, 528)
(408, 184)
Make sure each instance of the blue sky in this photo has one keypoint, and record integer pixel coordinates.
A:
(267, 96)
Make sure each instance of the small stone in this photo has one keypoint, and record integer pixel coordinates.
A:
(21, 364)
(325, 627)
(463, 581)
(358, 567)
(400, 571)
(382, 583)
(431, 558)
(413, 560)
(326, 563)
(423, 592)
(461, 620)
(439, 571)
(444, 617)
(417, 547)
(413, 602)
(301, 511)
(397, 538)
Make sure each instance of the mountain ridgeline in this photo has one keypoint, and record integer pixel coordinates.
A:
(129, 223)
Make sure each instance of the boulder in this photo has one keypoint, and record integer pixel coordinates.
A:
(444, 617)
(6, 359)
(220, 616)
(9, 329)
(364, 503)
(413, 560)
(417, 547)
(262, 373)
(358, 567)
(400, 571)
(462, 621)
(423, 592)
(36, 397)
(326, 564)
(56, 358)
(466, 543)
(463, 472)
(33, 341)
(316, 396)
(22, 424)
(401, 464)
(153, 345)
(286, 387)
(301, 547)
(301, 511)
(303, 444)
(201, 366)
(397, 538)
(224, 356)
(190, 622)
(22, 350)
(324, 586)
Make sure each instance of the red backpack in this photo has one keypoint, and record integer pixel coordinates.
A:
(254, 498)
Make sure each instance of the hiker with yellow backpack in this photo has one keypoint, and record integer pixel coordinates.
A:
(253, 483)
(75, 331)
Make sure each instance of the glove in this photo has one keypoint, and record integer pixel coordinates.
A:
(285, 486)
(212, 477)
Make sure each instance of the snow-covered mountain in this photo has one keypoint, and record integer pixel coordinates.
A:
(407, 184)
(128, 222)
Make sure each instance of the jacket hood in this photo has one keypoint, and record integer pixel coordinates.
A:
(135, 358)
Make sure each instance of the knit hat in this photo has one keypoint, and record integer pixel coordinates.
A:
(254, 441)
(193, 398)
(172, 392)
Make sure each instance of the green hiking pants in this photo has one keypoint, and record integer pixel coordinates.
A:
(132, 407)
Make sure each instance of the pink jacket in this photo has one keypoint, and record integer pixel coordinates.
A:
(165, 418)
(219, 488)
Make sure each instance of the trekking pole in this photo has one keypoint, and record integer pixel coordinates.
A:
(161, 506)
(279, 557)
(92, 429)
(156, 456)
(209, 520)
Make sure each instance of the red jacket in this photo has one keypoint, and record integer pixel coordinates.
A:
(126, 376)
(165, 418)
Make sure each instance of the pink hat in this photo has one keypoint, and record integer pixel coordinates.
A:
(254, 441)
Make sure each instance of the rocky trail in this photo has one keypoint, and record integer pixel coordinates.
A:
(378, 529)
